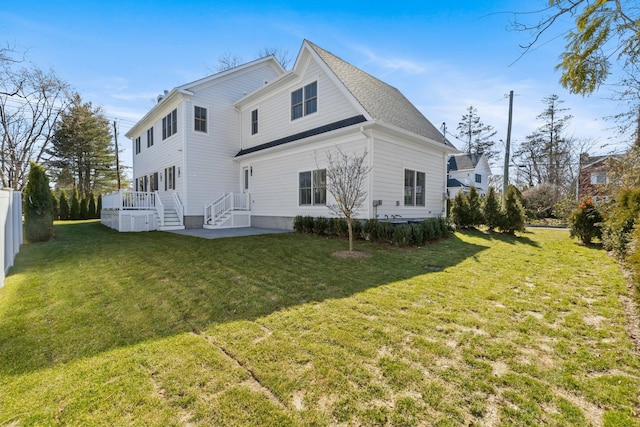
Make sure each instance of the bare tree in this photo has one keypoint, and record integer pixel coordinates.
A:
(227, 61)
(281, 55)
(345, 180)
(30, 103)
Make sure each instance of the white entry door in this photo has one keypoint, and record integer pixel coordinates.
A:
(245, 179)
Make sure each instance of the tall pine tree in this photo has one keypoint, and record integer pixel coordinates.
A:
(82, 152)
(477, 137)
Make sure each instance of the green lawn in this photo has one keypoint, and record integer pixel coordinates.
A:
(106, 328)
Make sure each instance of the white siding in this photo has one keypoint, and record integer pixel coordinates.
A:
(210, 168)
(274, 179)
(163, 153)
(274, 110)
(391, 158)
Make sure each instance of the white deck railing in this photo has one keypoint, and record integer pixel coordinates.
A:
(124, 199)
(226, 203)
(177, 203)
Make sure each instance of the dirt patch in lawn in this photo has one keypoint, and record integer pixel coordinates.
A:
(352, 254)
(632, 310)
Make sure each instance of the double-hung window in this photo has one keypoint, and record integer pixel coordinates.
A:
(312, 188)
(414, 188)
(137, 144)
(478, 178)
(170, 124)
(254, 122)
(304, 101)
(150, 137)
(200, 119)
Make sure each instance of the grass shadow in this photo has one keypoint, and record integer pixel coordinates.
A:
(93, 289)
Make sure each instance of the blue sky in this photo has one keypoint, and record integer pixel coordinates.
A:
(443, 56)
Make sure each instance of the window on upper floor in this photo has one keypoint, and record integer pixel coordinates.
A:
(312, 187)
(304, 101)
(200, 119)
(170, 124)
(414, 188)
(254, 122)
(479, 178)
(137, 145)
(150, 137)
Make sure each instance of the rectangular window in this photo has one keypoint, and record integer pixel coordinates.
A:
(254, 122)
(137, 144)
(170, 178)
(140, 184)
(598, 178)
(479, 178)
(296, 104)
(414, 188)
(150, 137)
(311, 98)
(170, 124)
(304, 101)
(200, 119)
(313, 187)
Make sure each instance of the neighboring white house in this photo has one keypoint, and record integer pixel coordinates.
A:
(468, 170)
(248, 147)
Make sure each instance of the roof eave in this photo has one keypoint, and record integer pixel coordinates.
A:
(175, 94)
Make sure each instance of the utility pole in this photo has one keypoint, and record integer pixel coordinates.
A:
(115, 137)
(505, 182)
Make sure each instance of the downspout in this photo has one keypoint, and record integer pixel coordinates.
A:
(445, 196)
(369, 137)
(184, 174)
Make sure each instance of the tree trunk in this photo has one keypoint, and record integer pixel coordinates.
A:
(350, 234)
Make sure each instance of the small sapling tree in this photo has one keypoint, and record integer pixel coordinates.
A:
(345, 182)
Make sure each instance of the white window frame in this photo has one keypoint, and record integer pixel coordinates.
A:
(254, 121)
(137, 144)
(315, 176)
(150, 137)
(413, 188)
(303, 101)
(199, 121)
(170, 124)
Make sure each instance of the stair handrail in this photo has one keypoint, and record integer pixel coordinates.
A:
(209, 211)
(177, 203)
(159, 207)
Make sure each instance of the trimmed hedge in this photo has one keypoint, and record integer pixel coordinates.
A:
(413, 234)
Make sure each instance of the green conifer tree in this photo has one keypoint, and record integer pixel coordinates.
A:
(55, 207)
(460, 215)
(38, 206)
(75, 206)
(475, 208)
(84, 210)
(92, 207)
(99, 206)
(514, 215)
(64, 206)
(491, 210)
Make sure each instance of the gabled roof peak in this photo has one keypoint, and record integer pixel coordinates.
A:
(382, 102)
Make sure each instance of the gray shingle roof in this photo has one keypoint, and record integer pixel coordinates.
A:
(381, 101)
(463, 161)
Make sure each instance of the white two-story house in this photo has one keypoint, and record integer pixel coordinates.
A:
(466, 170)
(248, 146)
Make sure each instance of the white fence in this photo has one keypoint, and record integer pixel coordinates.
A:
(10, 229)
